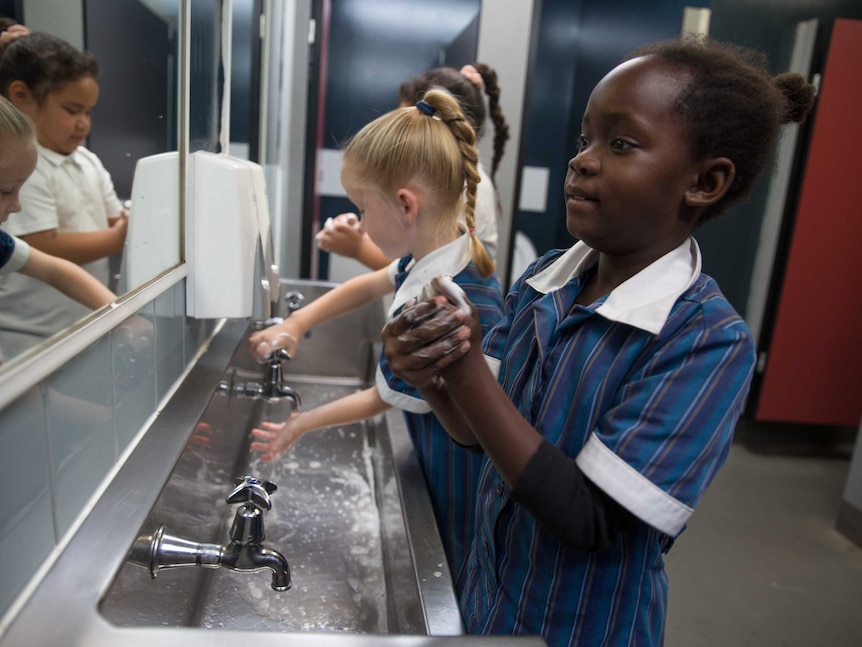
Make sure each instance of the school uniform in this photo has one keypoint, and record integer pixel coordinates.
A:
(451, 472)
(69, 193)
(642, 388)
(14, 253)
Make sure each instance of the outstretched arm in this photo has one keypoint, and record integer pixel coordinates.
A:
(72, 280)
(344, 298)
(81, 246)
(274, 439)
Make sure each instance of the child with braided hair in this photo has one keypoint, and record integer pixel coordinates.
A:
(406, 172)
(345, 234)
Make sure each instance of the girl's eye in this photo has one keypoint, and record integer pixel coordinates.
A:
(582, 142)
(620, 145)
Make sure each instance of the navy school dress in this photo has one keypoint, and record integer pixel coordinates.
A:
(451, 471)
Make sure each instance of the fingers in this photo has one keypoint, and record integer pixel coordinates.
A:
(425, 339)
(425, 322)
(264, 343)
(266, 435)
(473, 75)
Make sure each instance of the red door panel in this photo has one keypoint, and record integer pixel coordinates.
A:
(814, 366)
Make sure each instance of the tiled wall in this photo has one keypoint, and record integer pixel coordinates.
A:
(60, 439)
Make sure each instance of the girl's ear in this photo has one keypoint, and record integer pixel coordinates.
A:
(20, 95)
(715, 177)
(408, 204)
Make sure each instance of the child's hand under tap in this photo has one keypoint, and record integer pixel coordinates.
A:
(276, 438)
(265, 342)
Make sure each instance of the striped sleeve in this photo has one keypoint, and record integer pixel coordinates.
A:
(659, 447)
(14, 253)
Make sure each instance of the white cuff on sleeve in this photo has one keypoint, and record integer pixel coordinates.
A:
(631, 489)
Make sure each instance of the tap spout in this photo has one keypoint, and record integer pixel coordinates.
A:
(254, 558)
(159, 550)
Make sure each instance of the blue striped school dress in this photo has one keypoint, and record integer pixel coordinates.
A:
(643, 388)
(451, 472)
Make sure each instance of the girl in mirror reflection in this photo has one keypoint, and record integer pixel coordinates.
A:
(345, 234)
(17, 161)
(406, 172)
(68, 206)
(606, 398)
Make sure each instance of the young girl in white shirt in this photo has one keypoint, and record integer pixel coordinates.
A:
(69, 207)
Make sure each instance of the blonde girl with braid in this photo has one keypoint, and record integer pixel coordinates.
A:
(344, 235)
(412, 174)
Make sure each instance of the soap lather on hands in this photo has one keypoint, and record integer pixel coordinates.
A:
(431, 334)
(264, 343)
(341, 235)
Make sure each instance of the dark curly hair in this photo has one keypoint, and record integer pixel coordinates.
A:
(44, 63)
(470, 98)
(732, 105)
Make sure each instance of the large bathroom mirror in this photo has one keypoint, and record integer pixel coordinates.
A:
(136, 118)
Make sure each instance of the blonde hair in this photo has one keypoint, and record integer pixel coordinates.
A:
(436, 150)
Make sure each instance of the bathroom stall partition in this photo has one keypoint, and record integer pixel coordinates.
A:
(810, 356)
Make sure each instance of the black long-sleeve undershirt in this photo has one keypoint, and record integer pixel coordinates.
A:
(566, 503)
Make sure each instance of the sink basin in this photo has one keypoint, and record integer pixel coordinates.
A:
(337, 515)
(351, 515)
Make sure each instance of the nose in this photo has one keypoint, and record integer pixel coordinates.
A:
(584, 163)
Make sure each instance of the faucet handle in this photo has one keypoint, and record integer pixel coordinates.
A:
(278, 355)
(251, 489)
(293, 300)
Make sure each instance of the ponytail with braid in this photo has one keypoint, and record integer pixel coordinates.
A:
(501, 128)
(469, 94)
(450, 113)
(432, 143)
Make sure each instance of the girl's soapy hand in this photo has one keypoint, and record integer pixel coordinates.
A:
(276, 438)
(424, 339)
(265, 342)
(445, 285)
(341, 235)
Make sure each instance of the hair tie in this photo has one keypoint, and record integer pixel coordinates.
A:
(426, 107)
(471, 231)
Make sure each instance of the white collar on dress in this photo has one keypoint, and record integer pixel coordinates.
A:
(450, 259)
(644, 300)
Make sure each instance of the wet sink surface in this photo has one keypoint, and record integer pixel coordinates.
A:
(337, 516)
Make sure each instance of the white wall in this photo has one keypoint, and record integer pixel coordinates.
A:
(64, 19)
(505, 27)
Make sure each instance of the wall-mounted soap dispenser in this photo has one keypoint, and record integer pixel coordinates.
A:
(227, 221)
(153, 238)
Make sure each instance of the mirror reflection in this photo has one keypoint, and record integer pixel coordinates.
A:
(98, 81)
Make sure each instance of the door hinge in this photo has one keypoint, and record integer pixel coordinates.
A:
(761, 362)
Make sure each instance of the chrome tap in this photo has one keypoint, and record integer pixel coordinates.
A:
(271, 388)
(245, 552)
(274, 387)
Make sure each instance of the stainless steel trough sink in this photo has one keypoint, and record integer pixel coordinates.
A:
(351, 515)
(337, 515)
